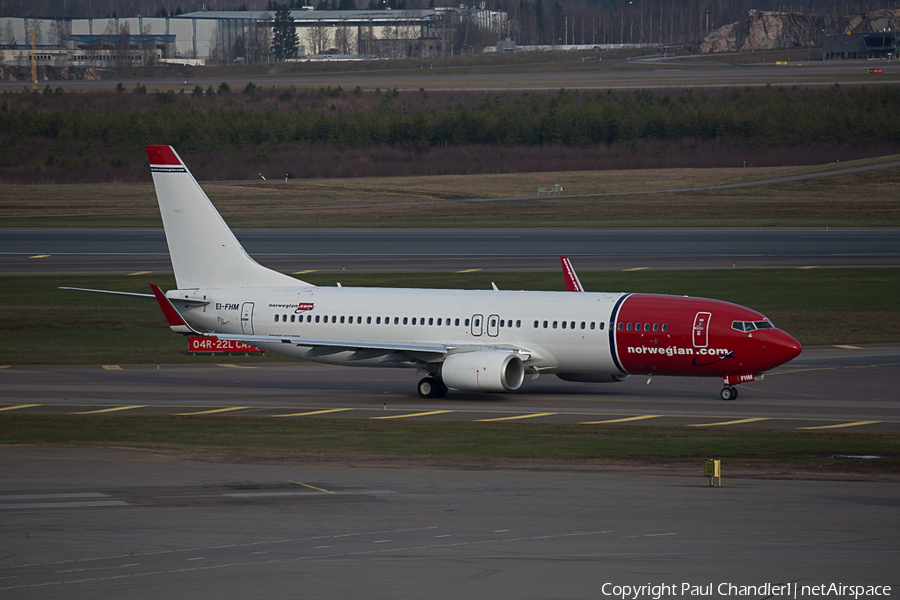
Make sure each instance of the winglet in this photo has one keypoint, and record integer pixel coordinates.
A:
(176, 323)
(572, 282)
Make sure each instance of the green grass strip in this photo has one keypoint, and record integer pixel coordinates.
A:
(360, 437)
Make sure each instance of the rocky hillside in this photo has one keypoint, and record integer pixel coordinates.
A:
(770, 30)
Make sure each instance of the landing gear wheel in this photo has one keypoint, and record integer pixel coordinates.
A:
(430, 387)
(729, 393)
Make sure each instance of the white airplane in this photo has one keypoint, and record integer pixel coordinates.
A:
(469, 340)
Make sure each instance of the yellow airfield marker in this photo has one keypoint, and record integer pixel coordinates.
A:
(846, 347)
(469, 271)
(40, 256)
(635, 269)
(306, 272)
(140, 273)
(229, 366)
(111, 367)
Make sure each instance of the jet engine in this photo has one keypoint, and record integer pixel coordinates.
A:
(487, 371)
(593, 377)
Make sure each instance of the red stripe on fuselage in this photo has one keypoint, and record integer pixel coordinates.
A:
(692, 345)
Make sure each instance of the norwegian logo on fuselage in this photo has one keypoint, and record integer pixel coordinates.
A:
(305, 306)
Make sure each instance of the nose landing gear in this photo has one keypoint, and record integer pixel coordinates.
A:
(729, 392)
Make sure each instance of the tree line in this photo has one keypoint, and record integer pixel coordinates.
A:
(69, 131)
(216, 117)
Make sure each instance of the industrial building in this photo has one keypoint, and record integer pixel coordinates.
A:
(236, 36)
(877, 45)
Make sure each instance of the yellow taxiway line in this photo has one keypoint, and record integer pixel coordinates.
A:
(517, 417)
(421, 414)
(737, 422)
(209, 412)
(113, 409)
(18, 407)
(839, 425)
(638, 418)
(315, 412)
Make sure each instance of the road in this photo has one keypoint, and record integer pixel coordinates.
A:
(706, 74)
(123, 251)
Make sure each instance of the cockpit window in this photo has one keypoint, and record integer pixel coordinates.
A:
(748, 326)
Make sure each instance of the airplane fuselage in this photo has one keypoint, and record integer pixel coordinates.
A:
(556, 332)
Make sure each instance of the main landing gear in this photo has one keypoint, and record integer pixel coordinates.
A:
(430, 387)
(729, 392)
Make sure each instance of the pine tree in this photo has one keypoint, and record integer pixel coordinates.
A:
(284, 34)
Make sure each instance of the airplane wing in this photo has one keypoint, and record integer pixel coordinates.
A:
(572, 282)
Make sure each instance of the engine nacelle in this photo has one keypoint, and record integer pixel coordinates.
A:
(593, 377)
(487, 371)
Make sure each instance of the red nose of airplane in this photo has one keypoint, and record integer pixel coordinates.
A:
(781, 348)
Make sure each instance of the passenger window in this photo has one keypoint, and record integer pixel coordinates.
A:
(413, 320)
(619, 327)
(646, 326)
(439, 321)
(665, 326)
(572, 325)
(592, 324)
(309, 318)
(457, 323)
(554, 324)
(342, 318)
(276, 318)
(583, 325)
(405, 320)
(545, 324)
(564, 324)
(397, 320)
(628, 327)
(477, 322)
(430, 320)
(602, 326)
(334, 318)
(535, 324)
(518, 323)
(467, 322)
(656, 327)
(317, 318)
(368, 320)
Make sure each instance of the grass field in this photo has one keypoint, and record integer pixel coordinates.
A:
(575, 444)
(864, 199)
(41, 324)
